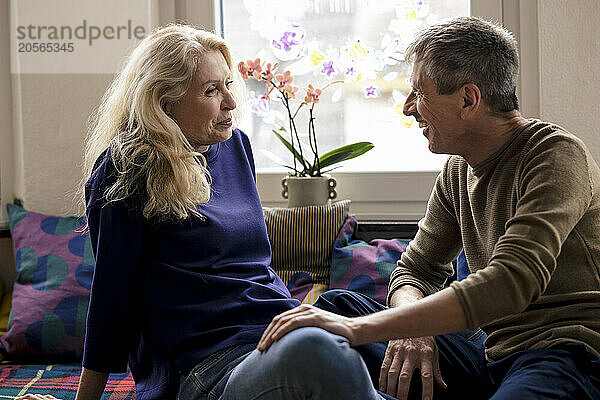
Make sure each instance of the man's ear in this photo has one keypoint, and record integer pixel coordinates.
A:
(471, 99)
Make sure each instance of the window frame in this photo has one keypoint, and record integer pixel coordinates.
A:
(6, 125)
(403, 196)
(400, 196)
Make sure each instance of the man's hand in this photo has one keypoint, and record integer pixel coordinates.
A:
(36, 397)
(403, 356)
(401, 359)
(301, 316)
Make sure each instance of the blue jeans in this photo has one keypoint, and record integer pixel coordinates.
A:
(568, 371)
(306, 363)
(312, 363)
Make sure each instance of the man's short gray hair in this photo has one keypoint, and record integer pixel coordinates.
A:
(470, 50)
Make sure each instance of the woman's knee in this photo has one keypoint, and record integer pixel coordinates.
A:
(306, 348)
(312, 342)
(310, 360)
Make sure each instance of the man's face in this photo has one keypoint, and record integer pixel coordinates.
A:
(438, 114)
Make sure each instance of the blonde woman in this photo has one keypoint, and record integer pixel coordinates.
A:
(182, 287)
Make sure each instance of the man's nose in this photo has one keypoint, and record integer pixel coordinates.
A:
(409, 104)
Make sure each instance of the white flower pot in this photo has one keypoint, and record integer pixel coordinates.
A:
(308, 190)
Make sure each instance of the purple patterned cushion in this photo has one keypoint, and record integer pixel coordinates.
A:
(361, 266)
(55, 266)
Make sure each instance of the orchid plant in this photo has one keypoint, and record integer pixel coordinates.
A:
(282, 85)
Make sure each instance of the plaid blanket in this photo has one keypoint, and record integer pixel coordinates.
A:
(59, 380)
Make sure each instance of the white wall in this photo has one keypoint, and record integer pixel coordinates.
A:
(50, 125)
(569, 62)
(41, 147)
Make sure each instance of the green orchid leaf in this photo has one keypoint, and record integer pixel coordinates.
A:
(288, 167)
(305, 147)
(276, 159)
(291, 148)
(330, 169)
(344, 153)
(334, 158)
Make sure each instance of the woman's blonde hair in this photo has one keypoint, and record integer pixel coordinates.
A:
(149, 150)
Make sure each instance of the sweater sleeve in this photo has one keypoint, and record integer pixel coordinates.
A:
(116, 239)
(426, 263)
(555, 190)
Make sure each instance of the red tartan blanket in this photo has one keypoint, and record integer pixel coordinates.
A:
(59, 380)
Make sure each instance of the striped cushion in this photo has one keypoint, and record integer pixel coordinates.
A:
(302, 239)
(302, 287)
(314, 293)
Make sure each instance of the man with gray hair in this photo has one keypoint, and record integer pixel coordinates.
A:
(521, 197)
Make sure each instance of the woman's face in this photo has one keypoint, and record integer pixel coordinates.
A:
(204, 112)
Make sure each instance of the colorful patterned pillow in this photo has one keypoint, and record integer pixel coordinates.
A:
(302, 241)
(54, 264)
(302, 286)
(361, 266)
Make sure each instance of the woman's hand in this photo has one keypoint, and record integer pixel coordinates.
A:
(36, 397)
(305, 315)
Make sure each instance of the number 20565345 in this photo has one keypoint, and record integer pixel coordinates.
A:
(35, 47)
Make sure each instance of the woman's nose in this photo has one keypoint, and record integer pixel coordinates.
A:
(228, 102)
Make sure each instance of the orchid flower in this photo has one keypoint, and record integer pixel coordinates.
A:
(269, 71)
(243, 68)
(267, 95)
(312, 94)
(254, 68)
(284, 79)
(290, 90)
(282, 83)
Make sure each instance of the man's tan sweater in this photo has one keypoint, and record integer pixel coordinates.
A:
(528, 219)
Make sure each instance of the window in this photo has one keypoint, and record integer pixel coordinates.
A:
(394, 180)
(354, 49)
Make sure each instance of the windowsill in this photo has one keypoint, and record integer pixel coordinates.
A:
(376, 196)
(383, 229)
